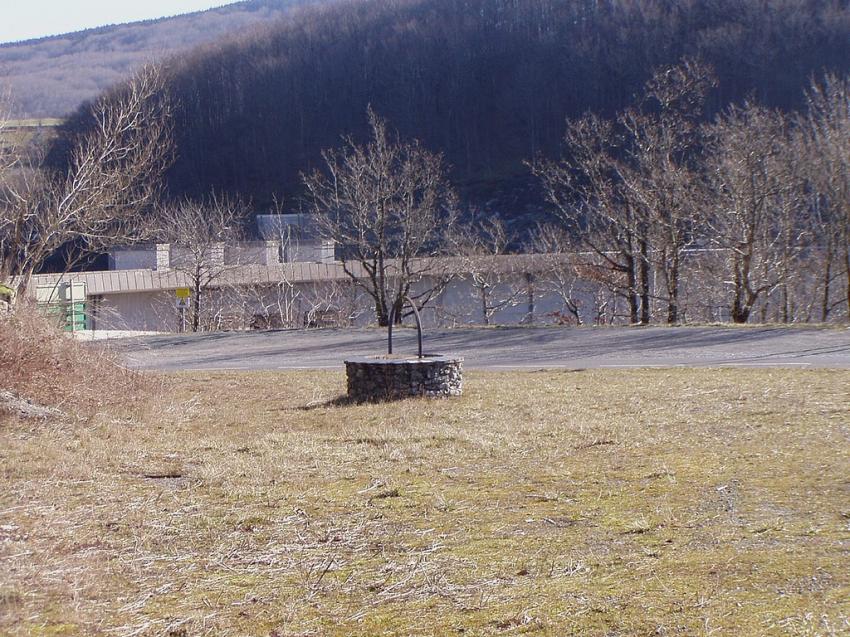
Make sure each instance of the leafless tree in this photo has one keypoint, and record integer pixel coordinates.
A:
(104, 196)
(756, 197)
(480, 243)
(199, 233)
(385, 203)
(826, 141)
(338, 303)
(558, 264)
(663, 176)
(278, 304)
(8, 152)
(632, 188)
(586, 189)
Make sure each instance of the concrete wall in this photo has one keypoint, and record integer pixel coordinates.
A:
(147, 311)
(325, 304)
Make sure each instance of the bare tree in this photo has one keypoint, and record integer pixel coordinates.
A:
(336, 303)
(662, 176)
(269, 306)
(105, 194)
(8, 152)
(825, 132)
(632, 189)
(753, 191)
(586, 189)
(385, 203)
(480, 243)
(199, 233)
(558, 264)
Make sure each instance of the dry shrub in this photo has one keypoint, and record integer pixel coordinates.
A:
(43, 364)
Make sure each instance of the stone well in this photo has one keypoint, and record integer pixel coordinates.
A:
(391, 377)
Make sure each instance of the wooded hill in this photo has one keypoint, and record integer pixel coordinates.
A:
(52, 76)
(489, 83)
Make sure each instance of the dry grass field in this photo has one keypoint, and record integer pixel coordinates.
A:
(654, 502)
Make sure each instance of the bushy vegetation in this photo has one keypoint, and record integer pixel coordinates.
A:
(41, 364)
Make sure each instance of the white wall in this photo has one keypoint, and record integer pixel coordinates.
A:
(146, 311)
(288, 306)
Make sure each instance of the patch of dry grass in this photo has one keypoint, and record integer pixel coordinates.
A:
(40, 363)
(653, 502)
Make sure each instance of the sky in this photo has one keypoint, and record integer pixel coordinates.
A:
(25, 19)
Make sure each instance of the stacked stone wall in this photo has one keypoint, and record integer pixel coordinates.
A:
(392, 378)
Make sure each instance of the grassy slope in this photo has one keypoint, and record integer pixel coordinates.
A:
(592, 503)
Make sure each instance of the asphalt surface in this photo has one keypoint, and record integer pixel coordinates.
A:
(499, 348)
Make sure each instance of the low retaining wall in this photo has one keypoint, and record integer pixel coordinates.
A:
(375, 378)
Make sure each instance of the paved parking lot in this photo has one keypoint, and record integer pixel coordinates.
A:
(500, 348)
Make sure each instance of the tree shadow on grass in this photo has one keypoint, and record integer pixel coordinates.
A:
(346, 401)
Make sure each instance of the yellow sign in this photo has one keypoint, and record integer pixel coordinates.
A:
(183, 293)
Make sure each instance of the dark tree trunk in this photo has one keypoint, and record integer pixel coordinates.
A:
(847, 274)
(827, 276)
(644, 283)
(632, 291)
(196, 299)
(673, 290)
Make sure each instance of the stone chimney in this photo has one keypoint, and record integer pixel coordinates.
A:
(327, 250)
(163, 256)
(271, 253)
(217, 254)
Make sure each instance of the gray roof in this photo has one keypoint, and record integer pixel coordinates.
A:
(134, 281)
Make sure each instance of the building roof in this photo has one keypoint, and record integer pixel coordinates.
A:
(134, 281)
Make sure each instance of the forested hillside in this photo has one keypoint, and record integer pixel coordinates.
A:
(51, 77)
(489, 83)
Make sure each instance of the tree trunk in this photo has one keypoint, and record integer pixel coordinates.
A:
(740, 313)
(196, 302)
(381, 313)
(485, 310)
(847, 274)
(632, 292)
(644, 283)
(673, 289)
(827, 276)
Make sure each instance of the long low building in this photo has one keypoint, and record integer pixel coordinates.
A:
(249, 286)
(240, 295)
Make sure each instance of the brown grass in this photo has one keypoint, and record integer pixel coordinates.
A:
(655, 502)
(43, 364)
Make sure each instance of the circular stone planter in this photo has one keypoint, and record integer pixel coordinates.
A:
(390, 377)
